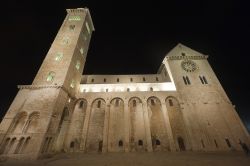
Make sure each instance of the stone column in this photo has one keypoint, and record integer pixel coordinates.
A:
(106, 129)
(168, 127)
(147, 127)
(126, 126)
(85, 129)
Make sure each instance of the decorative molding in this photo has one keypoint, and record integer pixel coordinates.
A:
(186, 57)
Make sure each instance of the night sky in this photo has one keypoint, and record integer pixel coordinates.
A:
(138, 33)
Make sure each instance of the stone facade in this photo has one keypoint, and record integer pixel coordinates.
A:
(181, 108)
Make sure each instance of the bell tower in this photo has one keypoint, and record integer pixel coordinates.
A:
(38, 115)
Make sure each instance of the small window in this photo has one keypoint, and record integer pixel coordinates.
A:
(156, 79)
(104, 80)
(107, 90)
(87, 26)
(201, 79)
(151, 89)
(216, 144)
(144, 79)
(72, 144)
(72, 27)
(134, 103)
(152, 102)
(117, 80)
(92, 80)
(140, 142)
(128, 89)
(205, 80)
(188, 81)
(131, 79)
(78, 64)
(157, 142)
(81, 104)
(99, 104)
(51, 76)
(170, 102)
(59, 56)
(202, 143)
(82, 50)
(72, 84)
(228, 143)
(183, 54)
(117, 102)
(184, 79)
(120, 143)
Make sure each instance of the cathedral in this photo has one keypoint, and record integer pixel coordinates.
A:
(182, 107)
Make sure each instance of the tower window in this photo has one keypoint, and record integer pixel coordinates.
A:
(152, 102)
(202, 143)
(87, 26)
(131, 79)
(170, 102)
(72, 27)
(117, 80)
(72, 84)
(134, 103)
(99, 104)
(59, 56)
(144, 79)
(120, 143)
(117, 102)
(81, 104)
(81, 50)
(186, 80)
(228, 142)
(78, 64)
(157, 142)
(201, 79)
(51, 76)
(157, 79)
(205, 80)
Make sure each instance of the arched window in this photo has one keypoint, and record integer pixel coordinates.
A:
(82, 50)
(181, 144)
(205, 80)
(140, 142)
(134, 103)
(152, 102)
(201, 79)
(72, 27)
(188, 81)
(72, 144)
(51, 76)
(170, 102)
(12, 142)
(6, 143)
(157, 142)
(117, 102)
(99, 104)
(81, 104)
(19, 145)
(120, 143)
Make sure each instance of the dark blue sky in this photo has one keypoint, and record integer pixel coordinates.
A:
(140, 33)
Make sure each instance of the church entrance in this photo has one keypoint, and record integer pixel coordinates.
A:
(181, 144)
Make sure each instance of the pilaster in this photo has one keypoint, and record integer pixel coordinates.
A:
(147, 127)
(85, 129)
